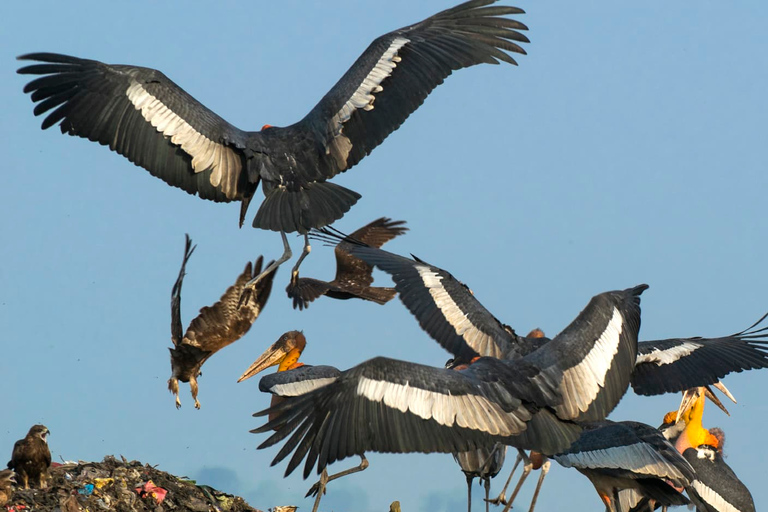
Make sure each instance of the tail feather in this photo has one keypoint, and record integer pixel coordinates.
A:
(313, 206)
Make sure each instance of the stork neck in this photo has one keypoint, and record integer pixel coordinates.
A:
(290, 360)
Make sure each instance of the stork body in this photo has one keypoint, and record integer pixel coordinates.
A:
(141, 114)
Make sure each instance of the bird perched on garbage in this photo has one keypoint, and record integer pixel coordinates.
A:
(353, 275)
(7, 479)
(215, 326)
(142, 115)
(31, 457)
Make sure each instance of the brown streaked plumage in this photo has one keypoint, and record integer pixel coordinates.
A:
(7, 479)
(31, 457)
(215, 327)
(353, 275)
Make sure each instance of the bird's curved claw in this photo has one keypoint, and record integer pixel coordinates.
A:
(498, 500)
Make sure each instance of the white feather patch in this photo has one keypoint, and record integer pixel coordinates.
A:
(712, 498)
(638, 458)
(466, 411)
(300, 387)
(363, 98)
(670, 355)
(224, 164)
(582, 383)
(480, 342)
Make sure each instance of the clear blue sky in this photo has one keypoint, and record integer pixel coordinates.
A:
(629, 146)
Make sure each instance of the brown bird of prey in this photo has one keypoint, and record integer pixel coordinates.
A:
(353, 275)
(31, 457)
(7, 479)
(215, 327)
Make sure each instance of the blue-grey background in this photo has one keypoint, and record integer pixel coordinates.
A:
(627, 147)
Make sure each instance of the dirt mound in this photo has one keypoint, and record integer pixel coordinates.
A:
(122, 486)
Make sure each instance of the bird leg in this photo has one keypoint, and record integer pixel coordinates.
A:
(250, 286)
(487, 491)
(319, 487)
(304, 252)
(544, 470)
(501, 498)
(193, 388)
(469, 492)
(173, 387)
(527, 466)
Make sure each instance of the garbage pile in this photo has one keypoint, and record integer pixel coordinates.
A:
(122, 486)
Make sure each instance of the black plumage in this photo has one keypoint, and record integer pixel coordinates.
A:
(716, 487)
(353, 276)
(629, 455)
(451, 314)
(141, 114)
(672, 365)
(215, 327)
(394, 406)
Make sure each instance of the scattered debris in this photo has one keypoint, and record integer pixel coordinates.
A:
(121, 486)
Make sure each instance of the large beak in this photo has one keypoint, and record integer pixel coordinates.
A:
(274, 355)
(719, 385)
(691, 395)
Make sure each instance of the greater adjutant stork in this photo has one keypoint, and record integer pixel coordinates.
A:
(353, 275)
(533, 402)
(715, 488)
(294, 378)
(141, 114)
(451, 314)
(629, 455)
(215, 327)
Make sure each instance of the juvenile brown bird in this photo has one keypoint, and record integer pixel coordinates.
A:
(31, 457)
(353, 275)
(7, 479)
(215, 327)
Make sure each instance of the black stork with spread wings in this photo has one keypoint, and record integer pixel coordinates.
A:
(534, 402)
(353, 275)
(144, 116)
(215, 326)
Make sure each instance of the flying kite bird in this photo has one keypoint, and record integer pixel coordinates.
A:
(7, 479)
(144, 116)
(215, 326)
(293, 379)
(31, 457)
(534, 402)
(353, 275)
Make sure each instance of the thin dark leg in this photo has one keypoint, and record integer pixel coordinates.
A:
(501, 499)
(315, 489)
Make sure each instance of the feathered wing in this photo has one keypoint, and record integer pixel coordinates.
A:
(177, 329)
(227, 321)
(393, 406)
(444, 307)
(677, 364)
(351, 269)
(298, 381)
(594, 355)
(305, 290)
(142, 115)
(716, 487)
(399, 69)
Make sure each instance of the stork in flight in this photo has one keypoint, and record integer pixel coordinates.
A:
(141, 114)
